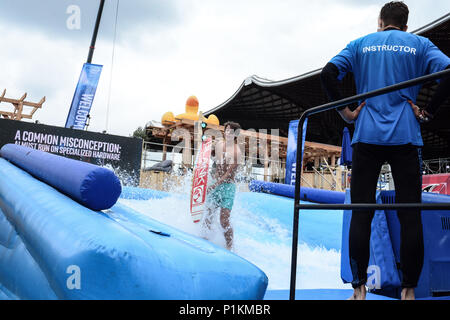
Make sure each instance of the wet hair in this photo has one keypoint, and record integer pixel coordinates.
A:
(232, 125)
(395, 13)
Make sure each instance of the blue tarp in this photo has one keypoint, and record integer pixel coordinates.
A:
(291, 157)
(382, 271)
(347, 150)
(83, 96)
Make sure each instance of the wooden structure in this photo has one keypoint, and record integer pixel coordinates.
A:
(185, 130)
(261, 149)
(320, 169)
(159, 180)
(19, 104)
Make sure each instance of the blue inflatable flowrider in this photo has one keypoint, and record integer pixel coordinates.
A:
(53, 246)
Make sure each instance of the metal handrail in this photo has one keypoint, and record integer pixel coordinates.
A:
(375, 206)
(335, 105)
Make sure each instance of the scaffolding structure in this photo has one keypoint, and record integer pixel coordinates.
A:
(19, 106)
(436, 166)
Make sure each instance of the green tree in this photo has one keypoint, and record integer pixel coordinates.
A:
(140, 133)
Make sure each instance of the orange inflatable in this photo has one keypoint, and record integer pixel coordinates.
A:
(191, 114)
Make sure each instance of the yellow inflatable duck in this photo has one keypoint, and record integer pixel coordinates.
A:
(191, 113)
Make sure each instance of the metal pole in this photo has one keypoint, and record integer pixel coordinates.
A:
(376, 206)
(93, 40)
(94, 35)
(298, 175)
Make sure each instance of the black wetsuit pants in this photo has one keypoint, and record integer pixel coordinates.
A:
(406, 162)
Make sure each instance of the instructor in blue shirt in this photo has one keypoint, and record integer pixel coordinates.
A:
(387, 129)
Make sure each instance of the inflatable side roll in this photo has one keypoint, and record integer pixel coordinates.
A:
(306, 194)
(94, 187)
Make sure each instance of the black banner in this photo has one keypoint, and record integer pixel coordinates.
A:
(121, 154)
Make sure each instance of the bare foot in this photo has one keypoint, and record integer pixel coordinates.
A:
(408, 294)
(358, 293)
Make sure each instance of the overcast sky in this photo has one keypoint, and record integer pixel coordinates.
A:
(167, 50)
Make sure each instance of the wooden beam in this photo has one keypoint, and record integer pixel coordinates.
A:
(19, 105)
(25, 103)
(337, 186)
(164, 157)
(41, 101)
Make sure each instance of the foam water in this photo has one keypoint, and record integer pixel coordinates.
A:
(260, 237)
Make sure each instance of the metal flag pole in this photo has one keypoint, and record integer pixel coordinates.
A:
(94, 35)
(93, 40)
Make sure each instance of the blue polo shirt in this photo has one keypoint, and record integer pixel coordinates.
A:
(381, 59)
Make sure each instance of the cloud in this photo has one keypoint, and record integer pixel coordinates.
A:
(51, 16)
(168, 50)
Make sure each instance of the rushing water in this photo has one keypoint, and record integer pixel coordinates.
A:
(262, 226)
